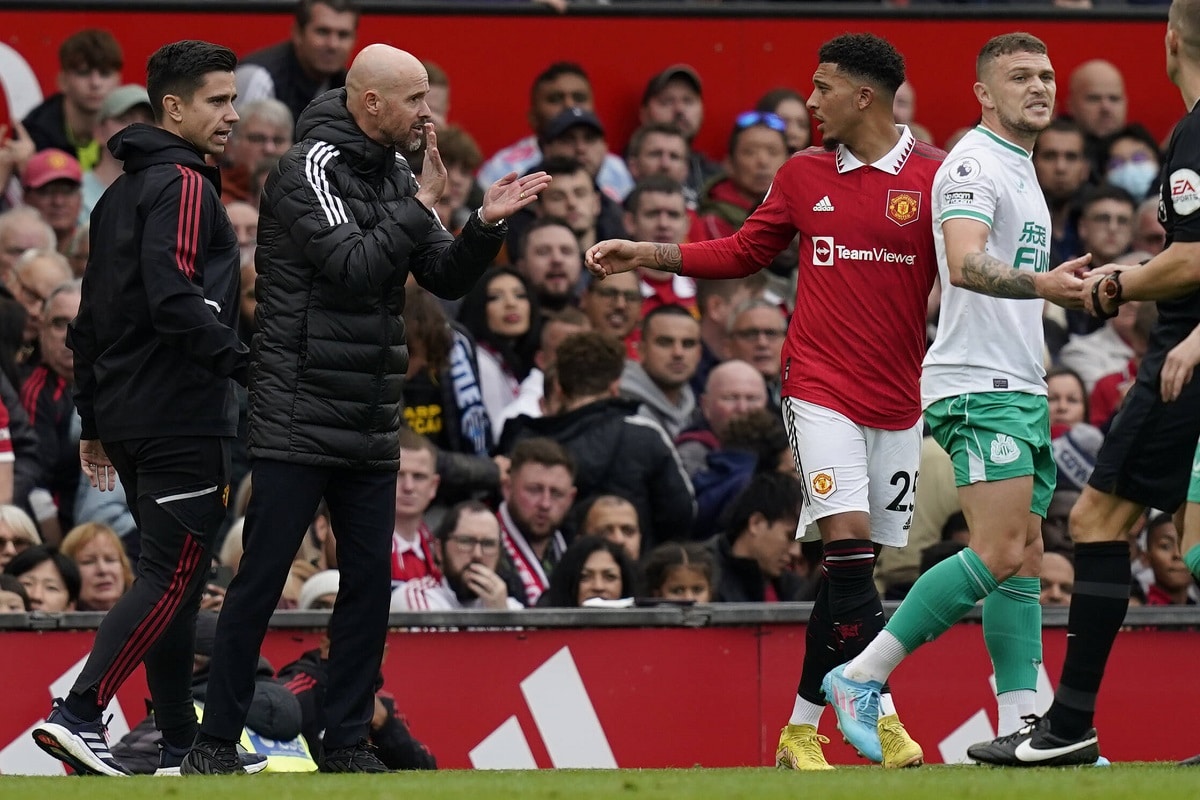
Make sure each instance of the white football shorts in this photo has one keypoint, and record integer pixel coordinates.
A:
(845, 466)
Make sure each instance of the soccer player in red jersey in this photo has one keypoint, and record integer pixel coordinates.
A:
(851, 369)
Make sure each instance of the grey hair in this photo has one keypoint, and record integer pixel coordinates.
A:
(19, 521)
(38, 254)
(749, 305)
(26, 216)
(268, 109)
(73, 286)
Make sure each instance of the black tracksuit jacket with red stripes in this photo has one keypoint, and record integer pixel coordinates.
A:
(155, 341)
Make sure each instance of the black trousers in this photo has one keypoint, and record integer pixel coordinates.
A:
(177, 488)
(362, 510)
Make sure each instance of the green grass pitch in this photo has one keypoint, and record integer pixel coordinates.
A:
(1141, 781)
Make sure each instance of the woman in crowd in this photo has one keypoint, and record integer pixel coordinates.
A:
(17, 533)
(104, 570)
(1068, 400)
(789, 105)
(591, 568)
(50, 579)
(502, 314)
(442, 386)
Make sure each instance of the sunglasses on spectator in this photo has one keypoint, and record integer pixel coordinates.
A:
(749, 119)
(18, 543)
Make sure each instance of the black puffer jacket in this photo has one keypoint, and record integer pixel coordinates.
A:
(339, 230)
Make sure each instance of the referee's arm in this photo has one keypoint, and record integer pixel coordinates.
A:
(1172, 273)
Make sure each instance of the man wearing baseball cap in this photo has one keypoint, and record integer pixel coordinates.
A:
(51, 183)
(673, 97)
(561, 86)
(125, 106)
(577, 133)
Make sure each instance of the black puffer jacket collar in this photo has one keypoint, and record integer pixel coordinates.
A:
(327, 119)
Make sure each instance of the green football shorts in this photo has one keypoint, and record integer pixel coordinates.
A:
(992, 436)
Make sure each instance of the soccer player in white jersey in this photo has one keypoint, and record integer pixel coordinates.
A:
(984, 391)
(1144, 461)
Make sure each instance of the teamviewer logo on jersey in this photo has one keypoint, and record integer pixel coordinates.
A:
(822, 251)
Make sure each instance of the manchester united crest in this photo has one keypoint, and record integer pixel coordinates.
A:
(903, 206)
(822, 483)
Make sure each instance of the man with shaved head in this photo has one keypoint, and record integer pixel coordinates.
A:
(1096, 101)
(733, 388)
(343, 224)
(1096, 98)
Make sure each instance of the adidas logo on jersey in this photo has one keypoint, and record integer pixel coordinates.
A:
(823, 204)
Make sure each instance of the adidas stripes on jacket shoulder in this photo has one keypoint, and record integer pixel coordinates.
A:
(339, 231)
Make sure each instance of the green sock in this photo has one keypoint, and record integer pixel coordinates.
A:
(1012, 629)
(940, 598)
(1192, 559)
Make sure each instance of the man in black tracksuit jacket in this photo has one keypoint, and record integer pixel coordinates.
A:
(343, 224)
(156, 352)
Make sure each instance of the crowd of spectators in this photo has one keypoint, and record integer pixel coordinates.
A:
(566, 443)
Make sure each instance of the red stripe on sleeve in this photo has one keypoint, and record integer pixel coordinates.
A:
(32, 390)
(187, 233)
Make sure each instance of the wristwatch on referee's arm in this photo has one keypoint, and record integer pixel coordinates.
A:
(498, 225)
(1107, 289)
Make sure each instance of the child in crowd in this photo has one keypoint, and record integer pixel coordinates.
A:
(681, 571)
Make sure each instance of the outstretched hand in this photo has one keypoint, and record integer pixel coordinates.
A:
(611, 257)
(510, 194)
(433, 171)
(1064, 285)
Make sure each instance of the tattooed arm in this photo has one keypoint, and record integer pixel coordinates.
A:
(991, 276)
(668, 258)
(972, 268)
(621, 255)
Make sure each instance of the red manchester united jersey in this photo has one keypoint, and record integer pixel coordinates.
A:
(867, 264)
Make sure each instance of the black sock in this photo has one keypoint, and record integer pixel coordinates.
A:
(855, 608)
(174, 750)
(822, 650)
(83, 707)
(1098, 607)
(181, 737)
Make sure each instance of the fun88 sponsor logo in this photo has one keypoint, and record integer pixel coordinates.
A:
(826, 251)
